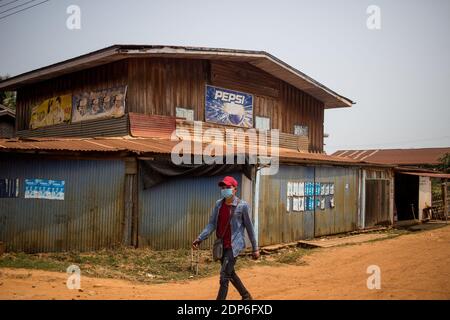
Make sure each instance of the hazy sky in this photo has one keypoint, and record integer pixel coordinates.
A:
(399, 76)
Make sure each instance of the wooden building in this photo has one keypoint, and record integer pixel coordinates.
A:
(140, 95)
(160, 79)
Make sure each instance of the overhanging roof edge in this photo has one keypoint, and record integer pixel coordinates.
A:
(122, 51)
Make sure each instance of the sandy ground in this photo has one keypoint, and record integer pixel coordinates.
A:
(413, 266)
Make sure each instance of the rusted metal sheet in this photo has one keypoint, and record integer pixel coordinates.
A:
(90, 217)
(151, 126)
(147, 145)
(174, 213)
(292, 156)
(276, 225)
(286, 140)
(344, 216)
(420, 156)
(428, 174)
(89, 145)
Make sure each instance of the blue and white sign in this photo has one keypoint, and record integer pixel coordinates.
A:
(44, 189)
(228, 107)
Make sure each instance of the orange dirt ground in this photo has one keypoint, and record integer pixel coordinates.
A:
(413, 266)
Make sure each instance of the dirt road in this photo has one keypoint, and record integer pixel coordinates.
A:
(413, 266)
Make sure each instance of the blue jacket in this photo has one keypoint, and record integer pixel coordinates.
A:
(240, 221)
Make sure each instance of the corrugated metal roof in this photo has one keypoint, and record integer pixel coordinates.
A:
(260, 59)
(5, 111)
(396, 156)
(426, 174)
(88, 144)
(296, 156)
(142, 146)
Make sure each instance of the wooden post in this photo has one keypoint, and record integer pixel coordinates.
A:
(444, 199)
(129, 221)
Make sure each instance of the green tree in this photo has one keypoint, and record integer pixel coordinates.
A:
(8, 98)
(444, 165)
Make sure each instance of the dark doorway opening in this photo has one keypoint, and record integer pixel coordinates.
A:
(407, 196)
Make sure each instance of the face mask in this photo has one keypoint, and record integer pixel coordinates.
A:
(226, 193)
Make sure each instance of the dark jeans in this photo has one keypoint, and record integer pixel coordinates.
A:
(228, 274)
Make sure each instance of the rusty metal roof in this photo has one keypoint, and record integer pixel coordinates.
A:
(145, 146)
(259, 59)
(88, 144)
(421, 156)
(428, 174)
(289, 155)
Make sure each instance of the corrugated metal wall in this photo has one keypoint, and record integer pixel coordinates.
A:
(344, 216)
(172, 214)
(92, 128)
(89, 218)
(275, 224)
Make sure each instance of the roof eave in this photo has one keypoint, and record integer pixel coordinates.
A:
(259, 59)
(60, 68)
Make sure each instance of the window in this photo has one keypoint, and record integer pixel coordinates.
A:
(9, 188)
(301, 130)
(185, 113)
(262, 123)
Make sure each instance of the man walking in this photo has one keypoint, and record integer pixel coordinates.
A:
(229, 218)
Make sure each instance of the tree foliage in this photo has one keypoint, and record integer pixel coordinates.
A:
(8, 98)
(444, 165)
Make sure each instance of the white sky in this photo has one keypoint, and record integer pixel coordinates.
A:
(398, 76)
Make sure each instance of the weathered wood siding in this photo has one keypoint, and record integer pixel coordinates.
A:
(301, 108)
(156, 86)
(101, 77)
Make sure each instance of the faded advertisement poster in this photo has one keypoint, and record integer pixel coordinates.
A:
(107, 103)
(52, 111)
(44, 189)
(228, 107)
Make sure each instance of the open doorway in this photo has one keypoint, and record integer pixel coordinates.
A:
(407, 196)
